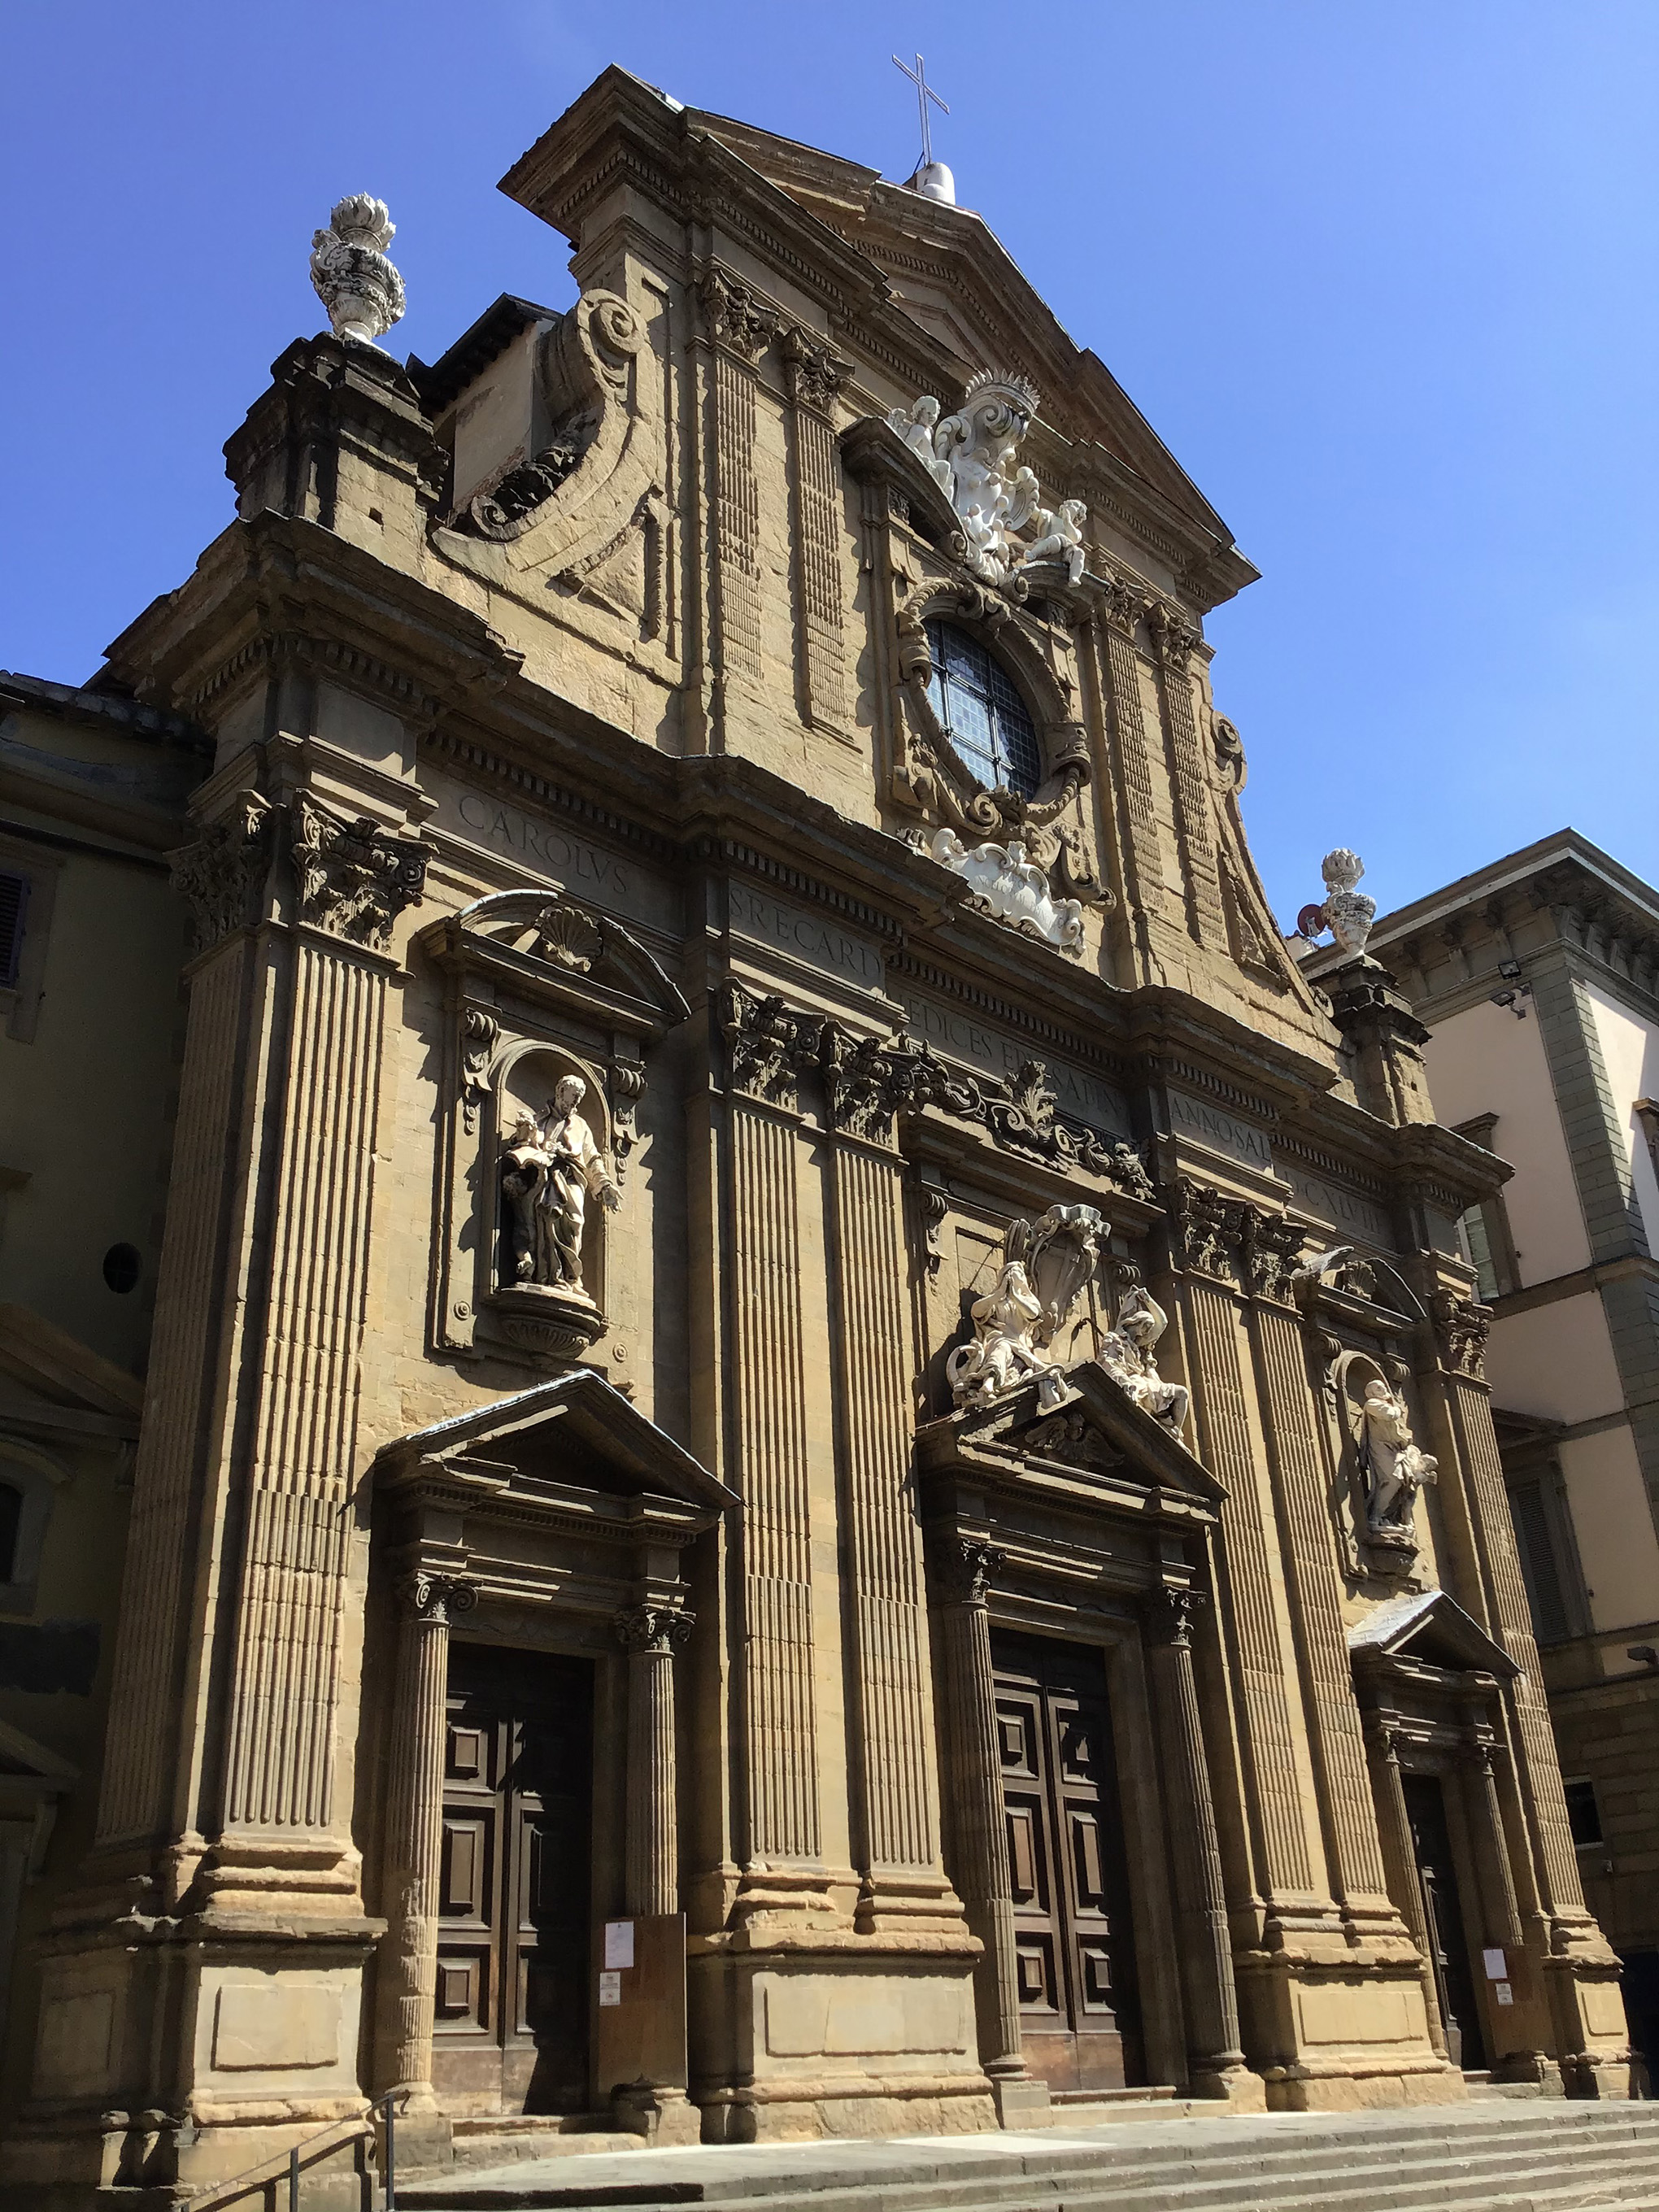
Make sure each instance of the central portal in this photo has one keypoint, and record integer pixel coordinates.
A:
(514, 1932)
(1079, 2014)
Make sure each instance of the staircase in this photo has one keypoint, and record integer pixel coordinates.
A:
(1491, 2156)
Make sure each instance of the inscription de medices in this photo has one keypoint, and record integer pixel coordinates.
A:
(1078, 1095)
(609, 879)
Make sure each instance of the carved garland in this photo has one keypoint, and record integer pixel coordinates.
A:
(869, 1086)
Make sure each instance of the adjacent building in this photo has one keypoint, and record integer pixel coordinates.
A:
(1539, 977)
(815, 1456)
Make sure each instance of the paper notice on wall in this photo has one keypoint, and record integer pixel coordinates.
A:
(1504, 1993)
(618, 1942)
(611, 1989)
(1498, 1966)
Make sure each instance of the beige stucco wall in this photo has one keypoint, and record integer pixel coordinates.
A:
(1555, 1361)
(1617, 1546)
(1483, 1061)
(1630, 1053)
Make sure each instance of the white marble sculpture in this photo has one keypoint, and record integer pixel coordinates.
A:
(1396, 1468)
(1348, 913)
(1007, 882)
(973, 458)
(549, 1171)
(1060, 537)
(1003, 1353)
(1128, 1353)
(361, 290)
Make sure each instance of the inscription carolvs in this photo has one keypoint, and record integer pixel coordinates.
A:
(608, 878)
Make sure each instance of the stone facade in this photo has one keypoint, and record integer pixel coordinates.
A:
(1538, 976)
(589, 1644)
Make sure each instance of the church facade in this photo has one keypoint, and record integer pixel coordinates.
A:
(815, 1458)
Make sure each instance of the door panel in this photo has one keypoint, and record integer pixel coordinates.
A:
(1079, 2015)
(1443, 1912)
(514, 1935)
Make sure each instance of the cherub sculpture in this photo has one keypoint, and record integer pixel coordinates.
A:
(1060, 537)
(918, 426)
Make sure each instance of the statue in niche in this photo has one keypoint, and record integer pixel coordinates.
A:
(550, 1168)
(1395, 1469)
(1128, 1353)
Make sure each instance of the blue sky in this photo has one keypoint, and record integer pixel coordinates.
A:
(1383, 276)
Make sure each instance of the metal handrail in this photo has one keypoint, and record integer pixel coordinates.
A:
(342, 2132)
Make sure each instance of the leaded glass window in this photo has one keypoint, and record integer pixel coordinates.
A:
(981, 713)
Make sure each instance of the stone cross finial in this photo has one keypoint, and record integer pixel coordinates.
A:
(361, 290)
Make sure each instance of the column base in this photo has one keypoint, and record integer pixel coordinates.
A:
(1022, 2103)
(1236, 2086)
(663, 2117)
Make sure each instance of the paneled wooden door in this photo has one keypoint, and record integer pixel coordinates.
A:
(1443, 1912)
(514, 1930)
(1079, 2015)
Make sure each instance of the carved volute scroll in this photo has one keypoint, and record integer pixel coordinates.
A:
(552, 1007)
(353, 878)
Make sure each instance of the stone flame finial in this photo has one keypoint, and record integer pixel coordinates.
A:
(1348, 913)
(361, 290)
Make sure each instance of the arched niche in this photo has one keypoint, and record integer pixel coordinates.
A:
(527, 1081)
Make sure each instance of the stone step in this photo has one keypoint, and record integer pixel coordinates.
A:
(485, 2141)
(1577, 2157)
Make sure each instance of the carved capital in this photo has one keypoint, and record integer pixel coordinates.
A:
(1271, 1247)
(1461, 1329)
(863, 1084)
(354, 878)
(627, 1088)
(1207, 1228)
(769, 1047)
(738, 320)
(1173, 636)
(437, 1599)
(1125, 602)
(1167, 1615)
(816, 376)
(219, 874)
(479, 1033)
(652, 1627)
(966, 1569)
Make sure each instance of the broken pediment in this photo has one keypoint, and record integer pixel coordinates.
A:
(547, 948)
(1092, 1428)
(1431, 1629)
(577, 1432)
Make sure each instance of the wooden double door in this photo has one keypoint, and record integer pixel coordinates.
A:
(1449, 1955)
(514, 1932)
(1080, 2012)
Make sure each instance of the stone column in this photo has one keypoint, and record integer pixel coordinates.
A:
(1502, 1907)
(891, 1724)
(1347, 1811)
(978, 1826)
(651, 1634)
(1214, 2056)
(414, 1836)
(1399, 1852)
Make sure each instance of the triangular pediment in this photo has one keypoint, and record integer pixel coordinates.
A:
(22, 1760)
(1432, 1629)
(42, 1363)
(1093, 1429)
(577, 1431)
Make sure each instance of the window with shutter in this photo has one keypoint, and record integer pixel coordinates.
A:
(1540, 1566)
(14, 906)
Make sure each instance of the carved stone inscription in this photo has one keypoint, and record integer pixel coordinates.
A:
(542, 848)
(1081, 1095)
(819, 940)
(1222, 1133)
(1356, 1217)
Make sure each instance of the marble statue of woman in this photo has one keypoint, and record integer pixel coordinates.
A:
(1398, 1469)
(576, 1172)
(1128, 1353)
(1002, 1353)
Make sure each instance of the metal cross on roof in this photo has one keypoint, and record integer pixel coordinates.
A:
(925, 92)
